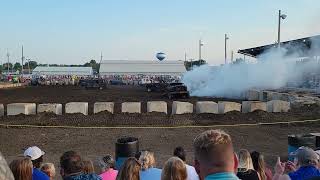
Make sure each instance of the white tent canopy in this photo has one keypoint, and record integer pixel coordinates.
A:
(134, 67)
(78, 71)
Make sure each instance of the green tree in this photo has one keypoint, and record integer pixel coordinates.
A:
(17, 66)
(95, 66)
(5, 66)
(32, 64)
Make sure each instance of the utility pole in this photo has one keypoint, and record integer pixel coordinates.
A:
(225, 48)
(280, 16)
(8, 56)
(231, 56)
(22, 58)
(200, 45)
(185, 57)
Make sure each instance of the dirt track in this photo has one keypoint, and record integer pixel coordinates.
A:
(269, 139)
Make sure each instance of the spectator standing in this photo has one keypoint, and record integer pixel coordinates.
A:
(49, 169)
(180, 153)
(174, 169)
(245, 168)
(148, 171)
(36, 156)
(71, 166)
(130, 170)
(5, 172)
(107, 167)
(260, 166)
(22, 168)
(214, 156)
(88, 167)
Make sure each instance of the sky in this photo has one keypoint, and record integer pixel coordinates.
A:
(75, 31)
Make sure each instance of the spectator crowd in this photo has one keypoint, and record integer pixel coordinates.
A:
(214, 159)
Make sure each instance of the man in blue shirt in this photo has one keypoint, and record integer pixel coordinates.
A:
(36, 155)
(214, 156)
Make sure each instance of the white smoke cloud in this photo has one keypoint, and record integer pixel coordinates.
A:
(273, 70)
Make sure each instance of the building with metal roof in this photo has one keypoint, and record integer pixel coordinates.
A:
(134, 67)
(304, 47)
(78, 71)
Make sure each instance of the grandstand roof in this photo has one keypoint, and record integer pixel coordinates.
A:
(299, 47)
(120, 67)
(79, 71)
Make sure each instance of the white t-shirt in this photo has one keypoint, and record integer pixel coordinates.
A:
(192, 174)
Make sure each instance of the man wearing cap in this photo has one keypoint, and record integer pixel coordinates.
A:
(308, 162)
(36, 155)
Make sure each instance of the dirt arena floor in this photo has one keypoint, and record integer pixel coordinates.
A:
(95, 135)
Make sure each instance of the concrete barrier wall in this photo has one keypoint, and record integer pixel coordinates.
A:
(157, 106)
(182, 107)
(206, 107)
(77, 107)
(103, 106)
(131, 107)
(224, 107)
(21, 108)
(250, 106)
(252, 95)
(1, 110)
(265, 96)
(278, 106)
(50, 108)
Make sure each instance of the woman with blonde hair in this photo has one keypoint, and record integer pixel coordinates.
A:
(48, 169)
(88, 167)
(130, 170)
(245, 167)
(174, 169)
(260, 166)
(22, 168)
(148, 171)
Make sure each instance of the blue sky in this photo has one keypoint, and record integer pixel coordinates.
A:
(75, 31)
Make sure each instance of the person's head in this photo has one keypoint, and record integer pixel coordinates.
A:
(22, 168)
(35, 154)
(245, 161)
(70, 163)
(147, 160)
(307, 157)
(88, 167)
(130, 170)
(5, 172)
(214, 153)
(180, 153)
(174, 169)
(49, 169)
(106, 162)
(259, 164)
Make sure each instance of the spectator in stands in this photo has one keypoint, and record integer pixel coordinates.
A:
(22, 168)
(130, 170)
(71, 167)
(245, 167)
(180, 153)
(88, 167)
(260, 166)
(5, 172)
(148, 171)
(307, 168)
(174, 169)
(107, 167)
(214, 156)
(36, 155)
(49, 169)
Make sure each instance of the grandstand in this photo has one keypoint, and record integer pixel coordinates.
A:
(63, 71)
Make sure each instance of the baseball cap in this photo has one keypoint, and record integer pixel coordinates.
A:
(33, 152)
(307, 156)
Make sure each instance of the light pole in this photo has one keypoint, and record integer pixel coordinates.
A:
(225, 48)
(8, 56)
(200, 45)
(281, 16)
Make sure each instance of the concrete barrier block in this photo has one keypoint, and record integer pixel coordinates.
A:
(157, 106)
(278, 106)
(131, 107)
(77, 107)
(265, 96)
(252, 95)
(250, 106)
(103, 106)
(21, 108)
(1, 110)
(207, 107)
(224, 107)
(182, 107)
(50, 108)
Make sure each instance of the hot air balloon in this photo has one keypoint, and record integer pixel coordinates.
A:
(161, 56)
